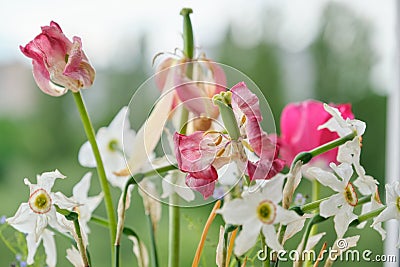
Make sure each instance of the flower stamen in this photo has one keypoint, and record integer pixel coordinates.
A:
(350, 195)
(40, 201)
(266, 212)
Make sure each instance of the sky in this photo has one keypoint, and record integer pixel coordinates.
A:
(110, 29)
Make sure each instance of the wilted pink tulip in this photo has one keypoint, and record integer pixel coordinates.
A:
(201, 154)
(59, 65)
(195, 92)
(299, 123)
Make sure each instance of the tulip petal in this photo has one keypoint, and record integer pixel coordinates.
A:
(203, 182)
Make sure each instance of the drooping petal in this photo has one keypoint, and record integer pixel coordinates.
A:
(329, 207)
(81, 189)
(49, 247)
(272, 189)
(390, 212)
(237, 211)
(203, 181)
(74, 257)
(392, 192)
(195, 152)
(285, 216)
(295, 227)
(271, 237)
(63, 202)
(24, 219)
(344, 171)
(86, 157)
(342, 220)
(78, 67)
(326, 178)
(248, 236)
(32, 245)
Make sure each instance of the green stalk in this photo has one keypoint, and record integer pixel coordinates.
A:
(188, 39)
(81, 246)
(174, 234)
(154, 257)
(99, 163)
(174, 212)
(305, 157)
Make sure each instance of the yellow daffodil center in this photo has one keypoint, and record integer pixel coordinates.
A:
(398, 203)
(40, 201)
(266, 212)
(350, 195)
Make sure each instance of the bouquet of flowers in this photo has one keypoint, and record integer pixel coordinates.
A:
(210, 121)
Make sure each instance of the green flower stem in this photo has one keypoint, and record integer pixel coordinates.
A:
(367, 216)
(188, 40)
(154, 256)
(74, 217)
(99, 163)
(267, 262)
(81, 246)
(315, 205)
(5, 241)
(316, 188)
(305, 157)
(174, 231)
(121, 219)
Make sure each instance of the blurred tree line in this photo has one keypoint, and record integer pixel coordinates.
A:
(50, 136)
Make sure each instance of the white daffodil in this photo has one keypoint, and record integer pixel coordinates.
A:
(342, 126)
(33, 217)
(113, 141)
(86, 204)
(374, 204)
(258, 212)
(340, 205)
(174, 182)
(74, 257)
(392, 210)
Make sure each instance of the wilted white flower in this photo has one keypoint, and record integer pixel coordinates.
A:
(258, 211)
(340, 205)
(33, 217)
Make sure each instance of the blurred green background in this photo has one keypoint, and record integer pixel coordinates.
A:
(340, 59)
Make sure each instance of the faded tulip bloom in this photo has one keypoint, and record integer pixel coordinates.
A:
(300, 132)
(59, 65)
(33, 217)
(195, 92)
(201, 154)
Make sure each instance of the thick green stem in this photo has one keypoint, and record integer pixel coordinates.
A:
(99, 163)
(174, 234)
(188, 39)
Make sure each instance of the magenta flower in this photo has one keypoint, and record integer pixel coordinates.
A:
(201, 154)
(59, 65)
(299, 129)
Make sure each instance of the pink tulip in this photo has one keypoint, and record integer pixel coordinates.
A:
(201, 154)
(299, 123)
(59, 65)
